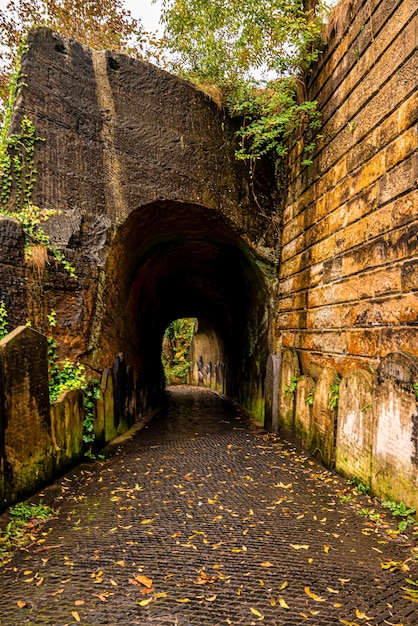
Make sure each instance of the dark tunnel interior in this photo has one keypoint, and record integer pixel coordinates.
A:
(171, 261)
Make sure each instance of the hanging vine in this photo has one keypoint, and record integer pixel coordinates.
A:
(18, 176)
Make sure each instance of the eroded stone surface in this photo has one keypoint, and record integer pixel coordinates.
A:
(395, 442)
(25, 412)
(304, 427)
(271, 393)
(324, 417)
(289, 373)
(355, 428)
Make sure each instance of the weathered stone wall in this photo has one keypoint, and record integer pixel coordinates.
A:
(39, 441)
(365, 423)
(349, 263)
(153, 209)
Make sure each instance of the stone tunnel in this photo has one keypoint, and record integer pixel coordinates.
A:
(153, 209)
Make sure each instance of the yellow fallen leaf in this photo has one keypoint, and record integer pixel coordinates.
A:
(184, 600)
(337, 605)
(21, 604)
(283, 603)
(283, 585)
(257, 613)
(312, 595)
(266, 564)
(410, 598)
(272, 602)
(347, 623)
(297, 546)
(76, 616)
(147, 521)
(362, 615)
(326, 549)
(210, 598)
(145, 602)
(27, 572)
(332, 590)
(161, 594)
(79, 602)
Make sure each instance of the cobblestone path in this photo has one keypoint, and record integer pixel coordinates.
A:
(201, 519)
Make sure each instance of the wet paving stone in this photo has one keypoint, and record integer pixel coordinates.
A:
(201, 518)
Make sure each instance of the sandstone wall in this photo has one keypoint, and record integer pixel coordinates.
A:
(39, 441)
(348, 280)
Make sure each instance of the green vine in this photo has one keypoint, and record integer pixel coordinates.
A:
(67, 375)
(3, 320)
(18, 175)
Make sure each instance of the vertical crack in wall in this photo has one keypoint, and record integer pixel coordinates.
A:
(115, 204)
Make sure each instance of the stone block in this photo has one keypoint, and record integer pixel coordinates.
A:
(324, 418)
(289, 373)
(67, 415)
(12, 242)
(303, 412)
(271, 393)
(99, 422)
(27, 423)
(353, 455)
(395, 441)
(106, 388)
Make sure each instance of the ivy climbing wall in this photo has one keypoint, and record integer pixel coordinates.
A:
(348, 281)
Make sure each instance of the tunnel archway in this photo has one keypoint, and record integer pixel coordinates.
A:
(174, 260)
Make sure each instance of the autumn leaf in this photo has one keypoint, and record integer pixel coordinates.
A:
(347, 623)
(79, 602)
(144, 580)
(55, 593)
(76, 616)
(312, 595)
(361, 615)
(147, 521)
(257, 613)
(184, 600)
(297, 546)
(145, 590)
(266, 564)
(145, 602)
(283, 603)
(283, 585)
(21, 604)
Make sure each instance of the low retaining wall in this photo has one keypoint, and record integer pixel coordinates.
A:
(366, 424)
(39, 441)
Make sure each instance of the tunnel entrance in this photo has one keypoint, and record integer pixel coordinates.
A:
(171, 261)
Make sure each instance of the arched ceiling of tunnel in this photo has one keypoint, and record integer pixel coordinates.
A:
(173, 260)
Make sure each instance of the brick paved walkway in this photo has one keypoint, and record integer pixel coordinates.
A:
(231, 526)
